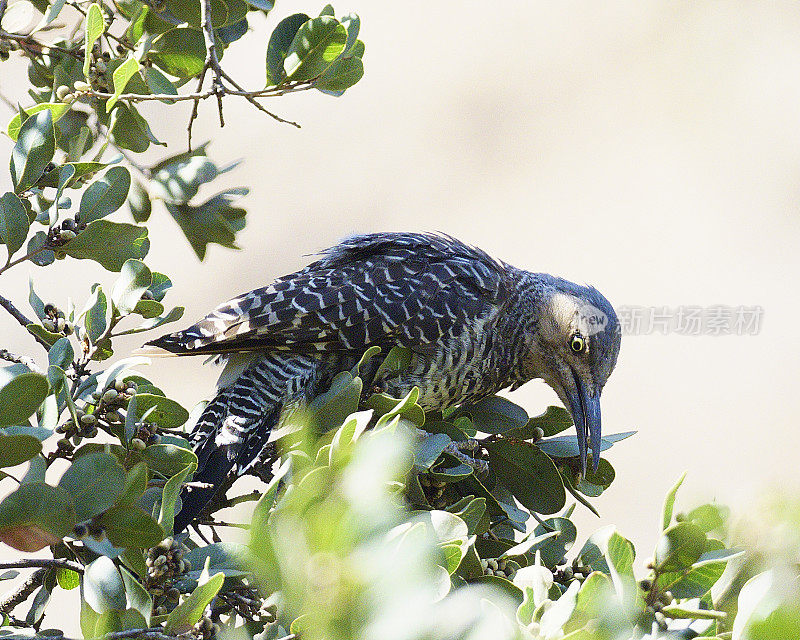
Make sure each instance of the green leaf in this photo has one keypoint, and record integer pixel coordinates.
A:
(161, 411)
(213, 221)
(135, 483)
(41, 257)
(158, 83)
(95, 26)
(341, 75)
(188, 11)
(33, 151)
(94, 318)
(106, 195)
(554, 549)
(129, 526)
(179, 52)
(95, 481)
(103, 587)
(328, 410)
(152, 323)
(314, 48)
(471, 510)
(16, 449)
(709, 517)
(148, 308)
(170, 495)
(137, 597)
(135, 29)
(352, 23)
(229, 558)
(529, 474)
(130, 130)
(109, 243)
(35, 515)
(21, 397)
(495, 415)
(133, 281)
(122, 75)
(553, 421)
(67, 578)
(679, 547)
(139, 203)
(681, 611)
(60, 354)
(14, 223)
(429, 450)
(56, 109)
(168, 459)
(279, 43)
(398, 359)
(567, 446)
(183, 617)
(81, 170)
(669, 503)
(179, 181)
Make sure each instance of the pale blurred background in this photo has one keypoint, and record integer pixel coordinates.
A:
(649, 148)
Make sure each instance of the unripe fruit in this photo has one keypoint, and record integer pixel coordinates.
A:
(137, 444)
(62, 92)
(538, 434)
(80, 85)
(110, 396)
(89, 419)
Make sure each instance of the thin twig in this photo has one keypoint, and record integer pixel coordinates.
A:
(212, 61)
(221, 523)
(24, 591)
(27, 256)
(251, 99)
(31, 45)
(247, 497)
(21, 318)
(8, 356)
(43, 563)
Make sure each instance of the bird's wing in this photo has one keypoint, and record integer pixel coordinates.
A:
(383, 292)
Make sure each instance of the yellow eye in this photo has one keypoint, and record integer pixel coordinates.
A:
(577, 344)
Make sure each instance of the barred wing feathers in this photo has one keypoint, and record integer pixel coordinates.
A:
(408, 289)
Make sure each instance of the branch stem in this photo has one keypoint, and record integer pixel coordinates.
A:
(22, 319)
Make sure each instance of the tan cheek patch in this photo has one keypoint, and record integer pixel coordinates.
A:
(562, 309)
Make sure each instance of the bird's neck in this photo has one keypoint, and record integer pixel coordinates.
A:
(518, 326)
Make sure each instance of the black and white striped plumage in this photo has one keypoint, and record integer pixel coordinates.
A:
(475, 325)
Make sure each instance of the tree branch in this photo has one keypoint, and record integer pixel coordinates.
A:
(43, 563)
(8, 356)
(21, 318)
(23, 592)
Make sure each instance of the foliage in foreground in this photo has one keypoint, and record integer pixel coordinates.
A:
(379, 521)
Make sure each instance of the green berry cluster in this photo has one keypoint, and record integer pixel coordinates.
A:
(205, 629)
(500, 567)
(433, 490)
(165, 565)
(55, 321)
(656, 600)
(61, 234)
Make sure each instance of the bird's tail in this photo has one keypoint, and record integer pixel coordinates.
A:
(233, 431)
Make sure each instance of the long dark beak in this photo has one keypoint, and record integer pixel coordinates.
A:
(585, 410)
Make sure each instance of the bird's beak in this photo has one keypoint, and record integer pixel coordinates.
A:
(585, 409)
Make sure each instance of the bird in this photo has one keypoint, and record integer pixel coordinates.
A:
(474, 325)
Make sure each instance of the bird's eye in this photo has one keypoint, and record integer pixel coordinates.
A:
(577, 344)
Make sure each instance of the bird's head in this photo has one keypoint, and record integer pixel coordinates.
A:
(576, 343)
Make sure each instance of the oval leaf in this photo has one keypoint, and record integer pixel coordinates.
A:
(95, 481)
(21, 397)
